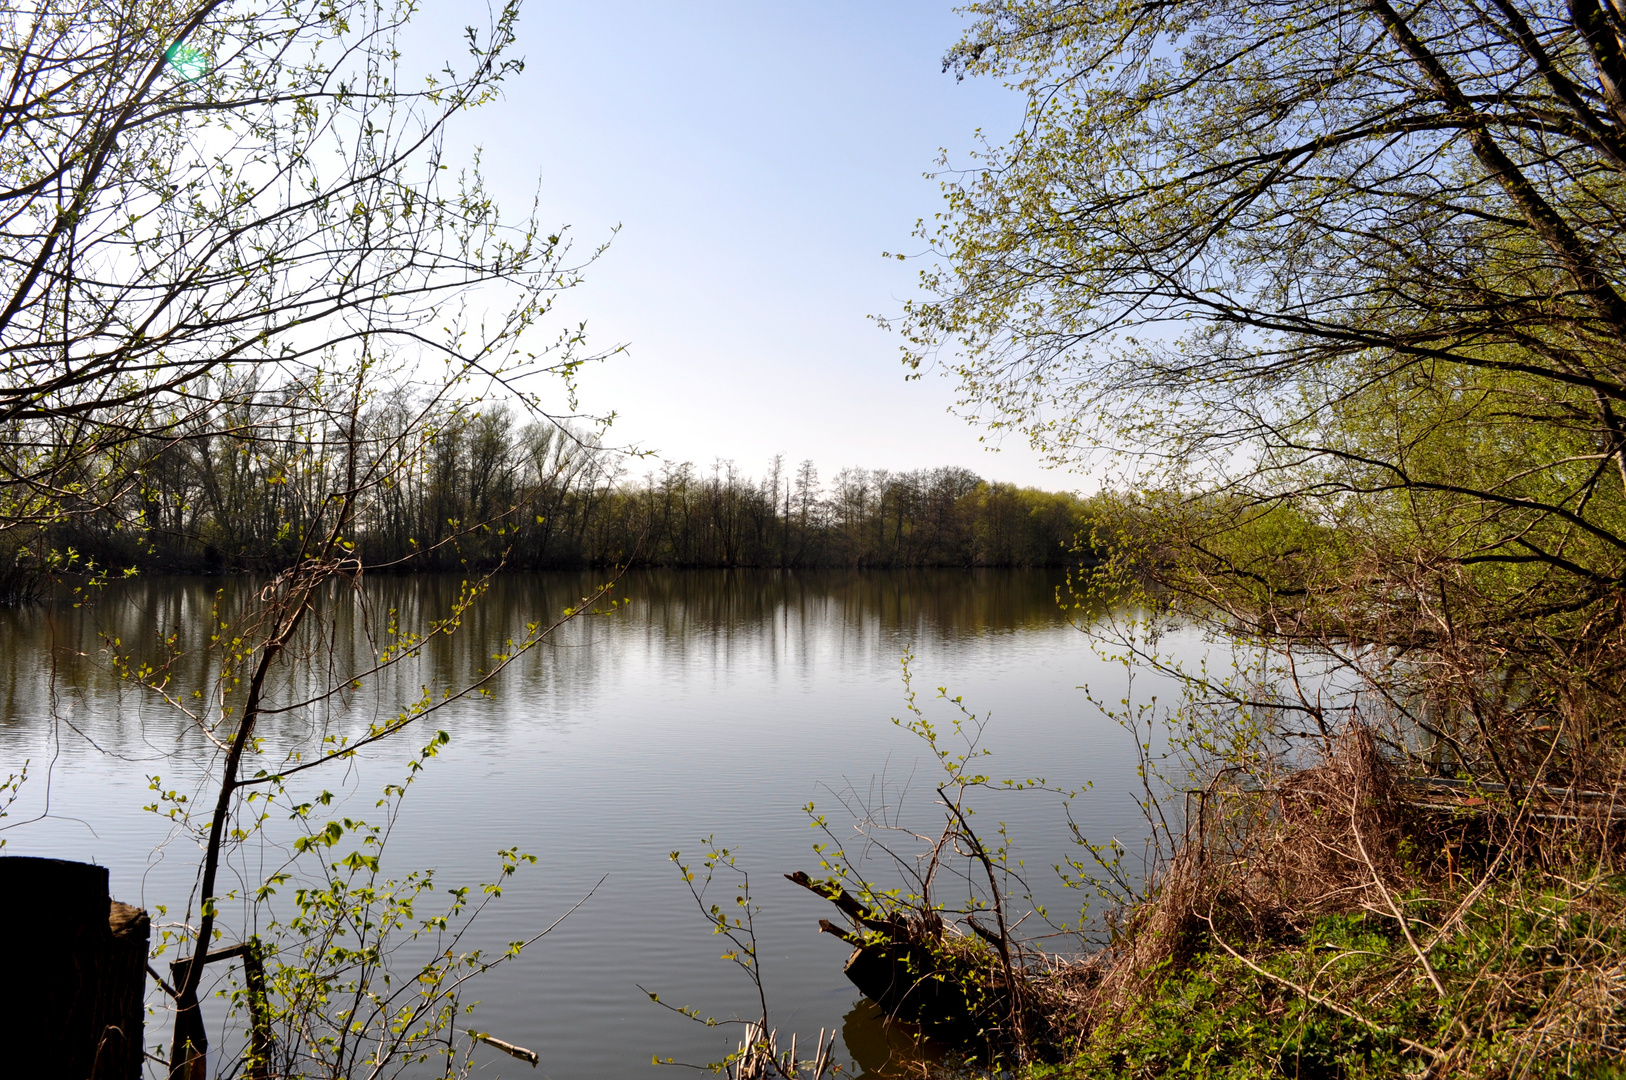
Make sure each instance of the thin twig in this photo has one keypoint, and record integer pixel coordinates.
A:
(1377, 879)
(1326, 1003)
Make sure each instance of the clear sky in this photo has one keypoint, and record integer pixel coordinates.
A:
(759, 158)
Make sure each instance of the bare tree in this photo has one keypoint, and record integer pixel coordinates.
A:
(200, 188)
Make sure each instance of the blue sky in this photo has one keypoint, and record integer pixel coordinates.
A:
(759, 158)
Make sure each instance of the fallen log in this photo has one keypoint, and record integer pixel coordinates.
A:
(913, 969)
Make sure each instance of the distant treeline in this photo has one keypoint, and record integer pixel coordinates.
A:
(483, 489)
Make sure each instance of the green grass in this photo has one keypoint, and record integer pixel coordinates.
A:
(1522, 964)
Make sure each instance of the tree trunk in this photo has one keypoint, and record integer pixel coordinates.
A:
(78, 963)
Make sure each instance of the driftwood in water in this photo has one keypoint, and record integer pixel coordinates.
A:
(507, 1047)
(77, 962)
(910, 968)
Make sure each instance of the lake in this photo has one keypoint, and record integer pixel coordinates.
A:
(714, 704)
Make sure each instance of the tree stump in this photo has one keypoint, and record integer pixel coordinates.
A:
(74, 992)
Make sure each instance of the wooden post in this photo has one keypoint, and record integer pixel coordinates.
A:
(72, 1004)
(261, 1043)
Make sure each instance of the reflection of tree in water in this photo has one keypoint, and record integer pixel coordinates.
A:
(879, 1047)
(927, 601)
(56, 661)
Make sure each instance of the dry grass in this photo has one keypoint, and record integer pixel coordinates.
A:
(1471, 935)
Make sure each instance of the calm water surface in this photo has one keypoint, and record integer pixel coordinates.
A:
(718, 703)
